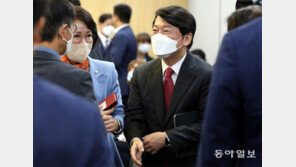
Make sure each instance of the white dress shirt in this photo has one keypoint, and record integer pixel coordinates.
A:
(120, 27)
(176, 67)
(104, 39)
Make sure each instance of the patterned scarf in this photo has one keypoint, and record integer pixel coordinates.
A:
(84, 65)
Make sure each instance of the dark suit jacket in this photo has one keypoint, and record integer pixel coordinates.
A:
(68, 130)
(98, 51)
(233, 118)
(148, 58)
(122, 50)
(51, 68)
(146, 109)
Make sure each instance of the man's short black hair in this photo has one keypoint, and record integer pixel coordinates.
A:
(58, 12)
(243, 3)
(38, 9)
(123, 11)
(75, 2)
(178, 17)
(200, 53)
(104, 17)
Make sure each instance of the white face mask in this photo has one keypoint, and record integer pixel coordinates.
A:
(163, 46)
(69, 43)
(108, 30)
(79, 52)
(144, 47)
(130, 75)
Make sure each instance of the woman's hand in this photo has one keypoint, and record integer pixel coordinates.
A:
(111, 123)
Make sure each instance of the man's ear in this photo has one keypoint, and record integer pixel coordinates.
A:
(62, 30)
(187, 39)
(37, 31)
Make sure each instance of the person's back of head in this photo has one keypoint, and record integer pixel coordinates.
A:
(38, 19)
(123, 12)
(38, 10)
(180, 18)
(58, 12)
(243, 15)
(201, 54)
(75, 2)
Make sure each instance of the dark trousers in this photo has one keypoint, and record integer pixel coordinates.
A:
(124, 101)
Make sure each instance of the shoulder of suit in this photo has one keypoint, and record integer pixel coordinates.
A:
(125, 32)
(75, 72)
(201, 65)
(102, 64)
(148, 66)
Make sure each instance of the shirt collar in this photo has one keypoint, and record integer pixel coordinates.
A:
(120, 27)
(102, 37)
(45, 49)
(176, 67)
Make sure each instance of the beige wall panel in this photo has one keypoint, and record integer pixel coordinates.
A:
(142, 11)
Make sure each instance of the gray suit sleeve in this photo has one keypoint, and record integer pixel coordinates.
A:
(85, 87)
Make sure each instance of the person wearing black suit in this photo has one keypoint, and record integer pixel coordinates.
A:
(123, 47)
(163, 89)
(56, 40)
(233, 118)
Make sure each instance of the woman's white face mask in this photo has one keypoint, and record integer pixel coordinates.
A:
(144, 47)
(163, 46)
(79, 52)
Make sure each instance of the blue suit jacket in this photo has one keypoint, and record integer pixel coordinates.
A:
(105, 82)
(68, 130)
(233, 118)
(122, 50)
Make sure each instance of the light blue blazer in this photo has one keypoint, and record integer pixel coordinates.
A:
(105, 82)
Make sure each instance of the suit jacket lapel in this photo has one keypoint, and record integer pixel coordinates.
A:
(155, 83)
(184, 80)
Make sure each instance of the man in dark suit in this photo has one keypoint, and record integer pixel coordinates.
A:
(232, 130)
(173, 86)
(56, 40)
(123, 47)
(105, 30)
(68, 130)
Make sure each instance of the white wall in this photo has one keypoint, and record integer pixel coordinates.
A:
(211, 24)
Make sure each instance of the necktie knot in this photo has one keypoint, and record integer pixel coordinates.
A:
(168, 72)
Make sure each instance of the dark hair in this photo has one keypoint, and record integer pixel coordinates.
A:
(243, 15)
(258, 2)
(143, 37)
(84, 16)
(179, 17)
(58, 12)
(123, 11)
(104, 17)
(199, 53)
(38, 10)
(243, 3)
(75, 2)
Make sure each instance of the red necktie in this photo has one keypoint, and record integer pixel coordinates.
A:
(168, 87)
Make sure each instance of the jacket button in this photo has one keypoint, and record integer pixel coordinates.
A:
(96, 72)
